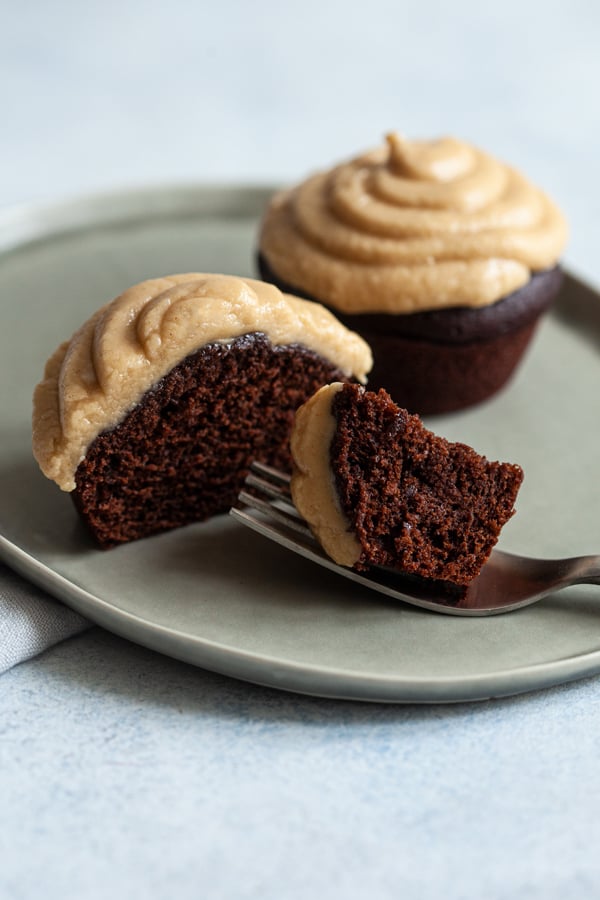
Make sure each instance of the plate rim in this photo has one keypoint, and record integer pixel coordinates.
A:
(292, 676)
(24, 223)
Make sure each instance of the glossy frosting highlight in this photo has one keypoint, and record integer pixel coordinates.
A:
(92, 381)
(412, 226)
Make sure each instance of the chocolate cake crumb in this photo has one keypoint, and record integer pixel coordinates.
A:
(415, 501)
(181, 455)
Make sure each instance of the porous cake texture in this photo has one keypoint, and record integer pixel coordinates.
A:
(411, 500)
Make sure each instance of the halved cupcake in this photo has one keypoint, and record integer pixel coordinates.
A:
(151, 414)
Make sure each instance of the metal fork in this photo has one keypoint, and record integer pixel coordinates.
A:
(506, 581)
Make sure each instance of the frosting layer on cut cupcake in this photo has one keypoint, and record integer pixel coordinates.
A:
(410, 227)
(312, 485)
(92, 381)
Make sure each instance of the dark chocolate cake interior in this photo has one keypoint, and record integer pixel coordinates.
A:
(182, 453)
(415, 501)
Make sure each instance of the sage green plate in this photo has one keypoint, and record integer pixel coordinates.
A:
(218, 595)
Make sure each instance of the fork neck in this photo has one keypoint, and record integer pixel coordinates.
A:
(587, 570)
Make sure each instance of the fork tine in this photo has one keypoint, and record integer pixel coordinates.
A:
(268, 527)
(283, 512)
(272, 490)
(273, 483)
(268, 472)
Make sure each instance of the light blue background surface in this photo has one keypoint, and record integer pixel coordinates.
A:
(126, 774)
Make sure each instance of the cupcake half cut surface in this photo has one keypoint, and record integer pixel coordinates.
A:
(151, 414)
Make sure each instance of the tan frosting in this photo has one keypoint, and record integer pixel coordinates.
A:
(92, 381)
(412, 226)
(312, 485)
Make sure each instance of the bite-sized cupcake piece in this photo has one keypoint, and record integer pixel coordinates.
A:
(442, 257)
(378, 488)
(152, 413)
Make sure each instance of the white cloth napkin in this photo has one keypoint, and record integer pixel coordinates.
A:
(30, 620)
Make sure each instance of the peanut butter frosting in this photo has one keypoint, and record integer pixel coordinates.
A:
(412, 226)
(312, 485)
(92, 381)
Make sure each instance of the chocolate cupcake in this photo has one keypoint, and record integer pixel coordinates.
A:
(379, 489)
(150, 415)
(440, 256)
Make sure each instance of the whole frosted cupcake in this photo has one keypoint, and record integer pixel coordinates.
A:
(441, 256)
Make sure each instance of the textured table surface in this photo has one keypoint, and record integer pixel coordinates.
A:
(127, 774)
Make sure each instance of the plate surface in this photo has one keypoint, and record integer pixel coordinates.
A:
(218, 595)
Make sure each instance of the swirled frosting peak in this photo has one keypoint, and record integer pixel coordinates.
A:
(92, 381)
(412, 226)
